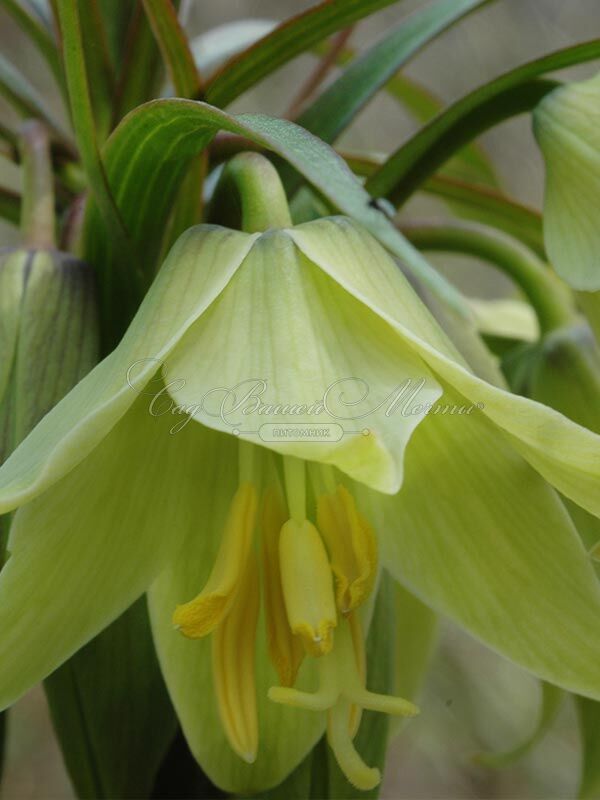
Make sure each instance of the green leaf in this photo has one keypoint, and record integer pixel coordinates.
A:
(117, 17)
(111, 711)
(174, 47)
(492, 208)
(85, 130)
(372, 736)
(470, 163)
(589, 727)
(337, 106)
(101, 78)
(10, 206)
(147, 157)
(512, 93)
(480, 203)
(551, 700)
(39, 35)
(140, 75)
(26, 101)
(288, 40)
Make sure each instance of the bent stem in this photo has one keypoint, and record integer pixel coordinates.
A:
(549, 299)
(37, 212)
(250, 195)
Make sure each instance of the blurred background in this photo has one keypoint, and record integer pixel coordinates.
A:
(472, 700)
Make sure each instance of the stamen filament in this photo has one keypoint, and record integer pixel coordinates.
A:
(294, 472)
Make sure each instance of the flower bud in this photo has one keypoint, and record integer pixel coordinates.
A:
(48, 335)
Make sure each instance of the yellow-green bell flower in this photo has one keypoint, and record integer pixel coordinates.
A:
(567, 128)
(161, 473)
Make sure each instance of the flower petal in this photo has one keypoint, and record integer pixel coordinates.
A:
(283, 334)
(567, 128)
(195, 272)
(285, 735)
(84, 550)
(566, 454)
(477, 534)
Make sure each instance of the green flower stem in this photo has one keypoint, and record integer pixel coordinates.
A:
(250, 195)
(37, 211)
(549, 298)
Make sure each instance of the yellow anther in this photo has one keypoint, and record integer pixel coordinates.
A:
(285, 649)
(233, 645)
(307, 586)
(202, 614)
(352, 548)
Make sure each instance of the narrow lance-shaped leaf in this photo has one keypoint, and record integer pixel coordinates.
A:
(471, 163)
(140, 72)
(85, 130)
(174, 47)
(288, 40)
(515, 92)
(101, 77)
(480, 203)
(337, 106)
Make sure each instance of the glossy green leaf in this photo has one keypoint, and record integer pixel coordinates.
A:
(589, 727)
(174, 47)
(147, 157)
(551, 701)
(111, 711)
(515, 92)
(371, 739)
(288, 40)
(31, 25)
(337, 106)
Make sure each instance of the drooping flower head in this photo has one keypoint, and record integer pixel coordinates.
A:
(282, 419)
